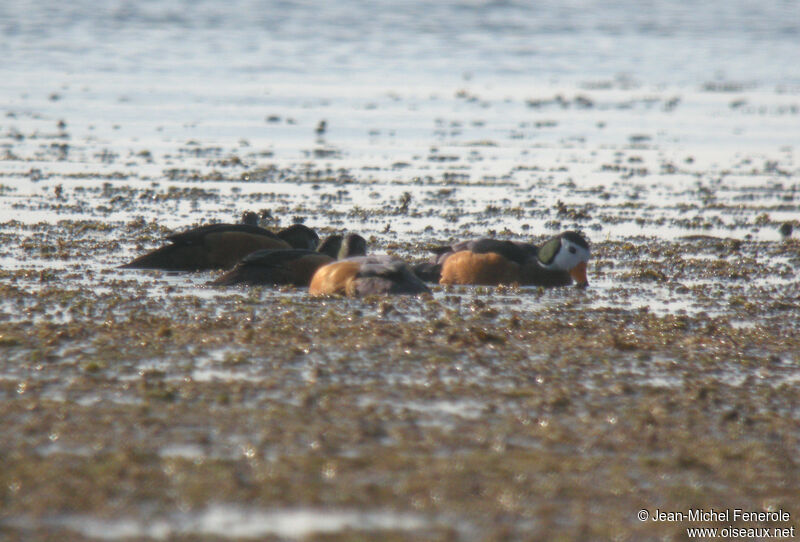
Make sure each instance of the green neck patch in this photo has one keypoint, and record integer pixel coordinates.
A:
(547, 252)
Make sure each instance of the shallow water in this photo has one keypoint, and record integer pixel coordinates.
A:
(234, 522)
(667, 131)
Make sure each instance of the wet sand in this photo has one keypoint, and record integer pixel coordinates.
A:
(477, 414)
(144, 405)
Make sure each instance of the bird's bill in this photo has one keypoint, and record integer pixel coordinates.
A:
(578, 274)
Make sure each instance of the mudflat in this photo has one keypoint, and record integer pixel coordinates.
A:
(146, 405)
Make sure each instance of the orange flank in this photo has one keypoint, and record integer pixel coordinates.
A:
(334, 278)
(466, 267)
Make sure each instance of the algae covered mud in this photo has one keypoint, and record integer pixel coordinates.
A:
(142, 405)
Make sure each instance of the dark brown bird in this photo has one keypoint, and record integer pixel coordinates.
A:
(291, 266)
(221, 246)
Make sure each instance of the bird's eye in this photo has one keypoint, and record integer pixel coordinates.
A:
(572, 250)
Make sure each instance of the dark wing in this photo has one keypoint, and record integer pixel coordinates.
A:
(275, 257)
(173, 258)
(275, 266)
(516, 252)
(387, 276)
(196, 235)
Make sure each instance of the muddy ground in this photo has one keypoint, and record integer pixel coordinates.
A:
(144, 405)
